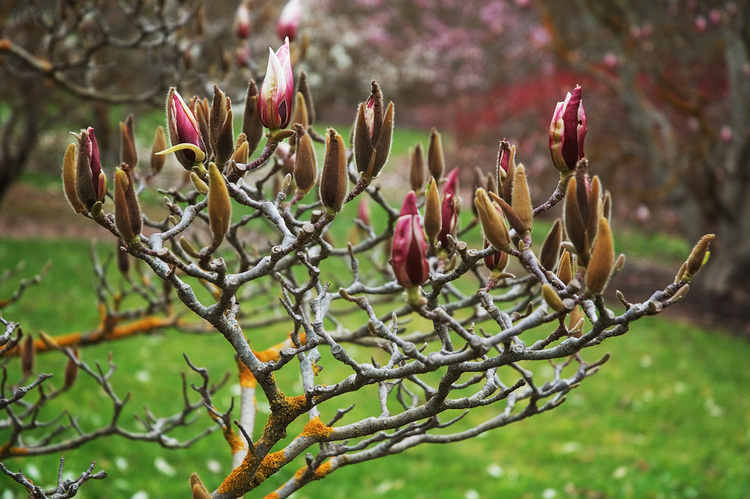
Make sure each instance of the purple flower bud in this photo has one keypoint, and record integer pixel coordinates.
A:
(409, 255)
(277, 91)
(288, 23)
(91, 182)
(449, 210)
(183, 129)
(567, 132)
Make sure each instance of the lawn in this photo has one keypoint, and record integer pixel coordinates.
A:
(666, 417)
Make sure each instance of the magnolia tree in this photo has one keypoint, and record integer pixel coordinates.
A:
(440, 330)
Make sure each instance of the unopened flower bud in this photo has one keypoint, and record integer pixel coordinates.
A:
(432, 212)
(288, 23)
(127, 210)
(91, 183)
(602, 257)
(521, 200)
(219, 204)
(435, 159)
(184, 133)
(277, 91)
(552, 299)
(28, 352)
(304, 89)
(71, 370)
(128, 153)
(334, 180)
(160, 143)
(449, 210)
(567, 132)
(493, 224)
(416, 167)
(251, 124)
(305, 163)
(69, 178)
(408, 256)
(242, 21)
(550, 252)
(698, 256)
(300, 111)
(373, 132)
(565, 268)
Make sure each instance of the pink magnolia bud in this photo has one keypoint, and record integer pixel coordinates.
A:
(183, 130)
(449, 210)
(288, 23)
(567, 132)
(242, 21)
(277, 91)
(91, 182)
(409, 254)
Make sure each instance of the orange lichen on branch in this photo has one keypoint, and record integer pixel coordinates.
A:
(239, 480)
(247, 380)
(8, 450)
(316, 428)
(273, 352)
(5, 44)
(105, 332)
(321, 472)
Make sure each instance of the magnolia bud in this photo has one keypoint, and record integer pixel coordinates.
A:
(251, 124)
(305, 163)
(219, 204)
(567, 132)
(432, 212)
(127, 210)
(69, 178)
(160, 143)
(408, 255)
(602, 257)
(521, 200)
(128, 153)
(416, 167)
(493, 224)
(334, 180)
(550, 252)
(435, 159)
(698, 257)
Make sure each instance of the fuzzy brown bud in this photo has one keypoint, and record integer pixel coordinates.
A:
(565, 268)
(219, 204)
(128, 152)
(304, 89)
(432, 212)
(300, 111)
(493, 225)
(600, 266)
(69, 179)
(521, 200)
(334, 180)
(251, 124)
(698, 256)
(550, 252)
(305, 163)
(127, 210)
(435, 158)
(160, 143)
(416, 167)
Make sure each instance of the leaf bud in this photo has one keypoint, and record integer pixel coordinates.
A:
(599, 268)
(128, 219)
(219, 204)
(432, 212)
(160, 143)
(416, 167)
(128, 152)
(435, 158)
(334, 180)
(493, 223)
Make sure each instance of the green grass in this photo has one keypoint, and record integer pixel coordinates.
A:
(666, 417)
